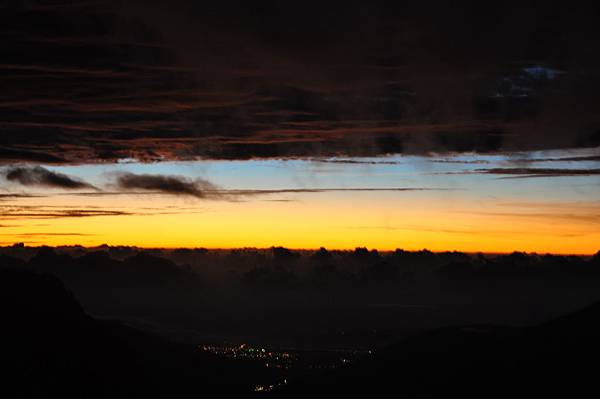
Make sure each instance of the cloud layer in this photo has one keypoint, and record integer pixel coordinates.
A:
(106, 80)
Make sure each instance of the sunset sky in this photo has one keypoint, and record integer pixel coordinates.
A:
(467, 203)
(351, 124)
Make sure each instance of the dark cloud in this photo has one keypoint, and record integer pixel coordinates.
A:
(175, 185)
(356, 162)
(587, 158)
(324, 190)
(460, 161)
(18, 212)
(50, 234)
(38, 176)
(106, 80)
(9, 196)
(539, 172)
(22, 155)
(179, 185)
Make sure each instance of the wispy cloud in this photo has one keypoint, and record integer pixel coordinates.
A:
(525, 173)
(167, 184)
(587, 158)
(10, 196)
(15, 212)
(38, 176)
(49, 234)
(519, 173)
(464, 162)
(356, 162)
(327, 190)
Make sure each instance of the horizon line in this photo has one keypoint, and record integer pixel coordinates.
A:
(304, 249)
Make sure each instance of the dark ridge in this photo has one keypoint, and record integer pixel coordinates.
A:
(51, 348)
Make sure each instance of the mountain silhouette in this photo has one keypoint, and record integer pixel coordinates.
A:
(555, 357)
(51, 348)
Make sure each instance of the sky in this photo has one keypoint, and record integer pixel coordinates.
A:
(471, 127)
(467, 203)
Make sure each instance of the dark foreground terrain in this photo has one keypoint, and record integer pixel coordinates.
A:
(556, 357)
(51, 347)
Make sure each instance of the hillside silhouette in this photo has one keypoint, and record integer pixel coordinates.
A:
(555, 357)
(51, 348)
(313, 298)
(127, 322)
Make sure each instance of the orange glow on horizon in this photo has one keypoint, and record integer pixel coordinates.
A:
(384, 221)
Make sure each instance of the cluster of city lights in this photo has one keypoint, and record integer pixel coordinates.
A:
(269, 358)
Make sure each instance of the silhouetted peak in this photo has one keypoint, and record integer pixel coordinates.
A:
(321, 255)
(363, 254)
(47, 260)
(145, 262)
(281, 254)
(29, 296)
